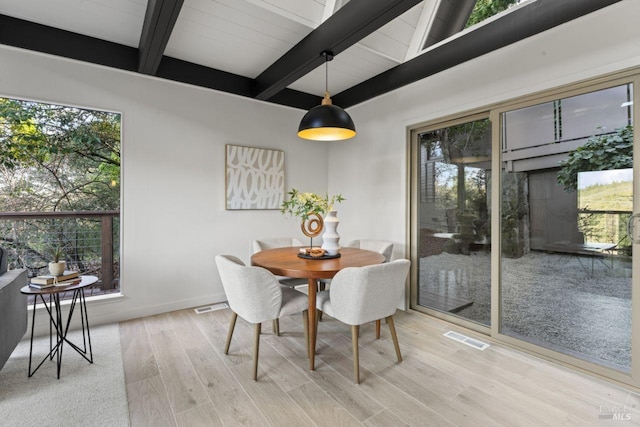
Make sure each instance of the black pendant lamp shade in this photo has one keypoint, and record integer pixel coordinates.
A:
(326, 122)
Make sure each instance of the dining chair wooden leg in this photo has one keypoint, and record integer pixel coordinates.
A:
(232, 325)
(276, 327)
(356, 353)
(305, 322)
(256, 348)
(394, 337)
(378, 329)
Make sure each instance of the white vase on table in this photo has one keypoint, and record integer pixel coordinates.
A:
(57, 268)
(330, 237)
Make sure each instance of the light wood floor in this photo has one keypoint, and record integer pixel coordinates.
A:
(177, 374)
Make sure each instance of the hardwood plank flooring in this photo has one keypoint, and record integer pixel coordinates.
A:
(183, 387)
(148, 403)
(203, 415)
(177, 375)
(136, 351)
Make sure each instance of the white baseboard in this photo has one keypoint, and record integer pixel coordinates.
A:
(113, 309)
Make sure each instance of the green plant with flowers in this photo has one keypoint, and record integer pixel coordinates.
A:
(303, 205)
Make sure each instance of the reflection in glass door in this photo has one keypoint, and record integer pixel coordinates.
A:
(567, 194)
(453, 213)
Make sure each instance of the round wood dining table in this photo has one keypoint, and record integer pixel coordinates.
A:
(285, 262)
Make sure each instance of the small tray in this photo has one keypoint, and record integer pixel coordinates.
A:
(305, 256)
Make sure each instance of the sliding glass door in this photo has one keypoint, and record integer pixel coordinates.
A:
(545, 261)
(454, 240)
(567, 196)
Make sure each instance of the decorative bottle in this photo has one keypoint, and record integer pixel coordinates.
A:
(330, 238)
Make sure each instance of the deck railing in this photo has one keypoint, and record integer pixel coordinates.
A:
(89, 241)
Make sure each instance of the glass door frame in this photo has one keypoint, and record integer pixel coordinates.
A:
(414, 232)
(494, 113)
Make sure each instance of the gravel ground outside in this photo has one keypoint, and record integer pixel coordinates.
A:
(548, 299)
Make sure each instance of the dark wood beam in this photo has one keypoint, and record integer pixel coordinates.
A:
(354, 21)
(450, 18)
(199, 75)
(528, 20)
(41, 38)
(296, 99)
(158, 24)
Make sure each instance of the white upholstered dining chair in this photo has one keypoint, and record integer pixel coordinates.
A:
(382, 247)
(359, 295)
(254, 294)
(280, 242)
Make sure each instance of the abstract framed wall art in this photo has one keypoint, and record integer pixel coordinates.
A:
(254, 178)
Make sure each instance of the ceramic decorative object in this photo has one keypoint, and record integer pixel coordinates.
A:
(330, 238)
(57, 268)
(309, 207)
(58, 265)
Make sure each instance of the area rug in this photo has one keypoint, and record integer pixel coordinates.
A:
(85, 395)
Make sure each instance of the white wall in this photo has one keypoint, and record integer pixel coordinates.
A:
(173, 215)
(173, 150)
(371, 170)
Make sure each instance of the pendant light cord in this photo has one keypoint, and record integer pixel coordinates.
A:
(328, 56)
(326, 74)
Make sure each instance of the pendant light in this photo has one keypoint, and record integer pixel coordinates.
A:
(326, 122)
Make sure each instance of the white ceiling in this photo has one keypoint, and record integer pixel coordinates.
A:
(254, 48)
(381, 50)
(242, 37)
(118, 21)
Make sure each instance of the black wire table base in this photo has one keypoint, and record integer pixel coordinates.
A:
(55, 322)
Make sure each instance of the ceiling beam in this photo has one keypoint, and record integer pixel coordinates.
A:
(520, 23)
(198, 75)
(450, 18)
(158, 24)
(41, 38)
(525, 21)
(354, 21)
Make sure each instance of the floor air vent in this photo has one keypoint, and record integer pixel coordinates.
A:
(466, 340)
(213, 307)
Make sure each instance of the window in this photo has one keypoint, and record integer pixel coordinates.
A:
(60, 187)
